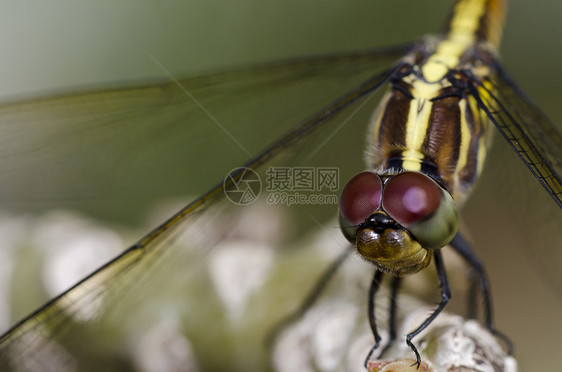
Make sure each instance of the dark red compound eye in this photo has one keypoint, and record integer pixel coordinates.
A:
(360, 197)
(410, 197)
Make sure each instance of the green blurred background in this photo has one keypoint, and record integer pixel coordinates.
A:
(59, 46)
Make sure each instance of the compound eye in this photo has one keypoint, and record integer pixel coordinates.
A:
(410, 197)
(360, 197)
(419, 204)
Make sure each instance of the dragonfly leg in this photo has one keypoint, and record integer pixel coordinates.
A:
(395, 286)
(460, 245)
(310, 298)
(445, 296)
(375, 285)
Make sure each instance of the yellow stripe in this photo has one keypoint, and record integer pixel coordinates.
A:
(465, 141)
(416, 129)
(462, 34)
(483, 143)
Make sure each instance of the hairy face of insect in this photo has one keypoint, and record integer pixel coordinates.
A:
(395, 222)
(392, 250)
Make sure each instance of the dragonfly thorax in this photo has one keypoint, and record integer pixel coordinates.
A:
(433, 128)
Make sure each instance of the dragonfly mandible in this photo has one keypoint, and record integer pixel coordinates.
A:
(284, 80)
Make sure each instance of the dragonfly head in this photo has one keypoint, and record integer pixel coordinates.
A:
(396, 221)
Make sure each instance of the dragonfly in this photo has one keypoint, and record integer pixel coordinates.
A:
(329, 69)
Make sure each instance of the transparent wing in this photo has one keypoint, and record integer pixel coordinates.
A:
(530, 133)
(122, 150)
(527, 223)
(169, 272)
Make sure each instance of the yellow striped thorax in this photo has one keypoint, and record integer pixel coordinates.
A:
(427, 144)
(427, 123)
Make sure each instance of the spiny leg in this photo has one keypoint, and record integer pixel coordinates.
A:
(310, 299)
(445, 296)
(375, 285)
(460, 245)
(395, 286)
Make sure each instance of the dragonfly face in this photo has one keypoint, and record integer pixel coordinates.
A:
(218, 175)
(396, 223)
